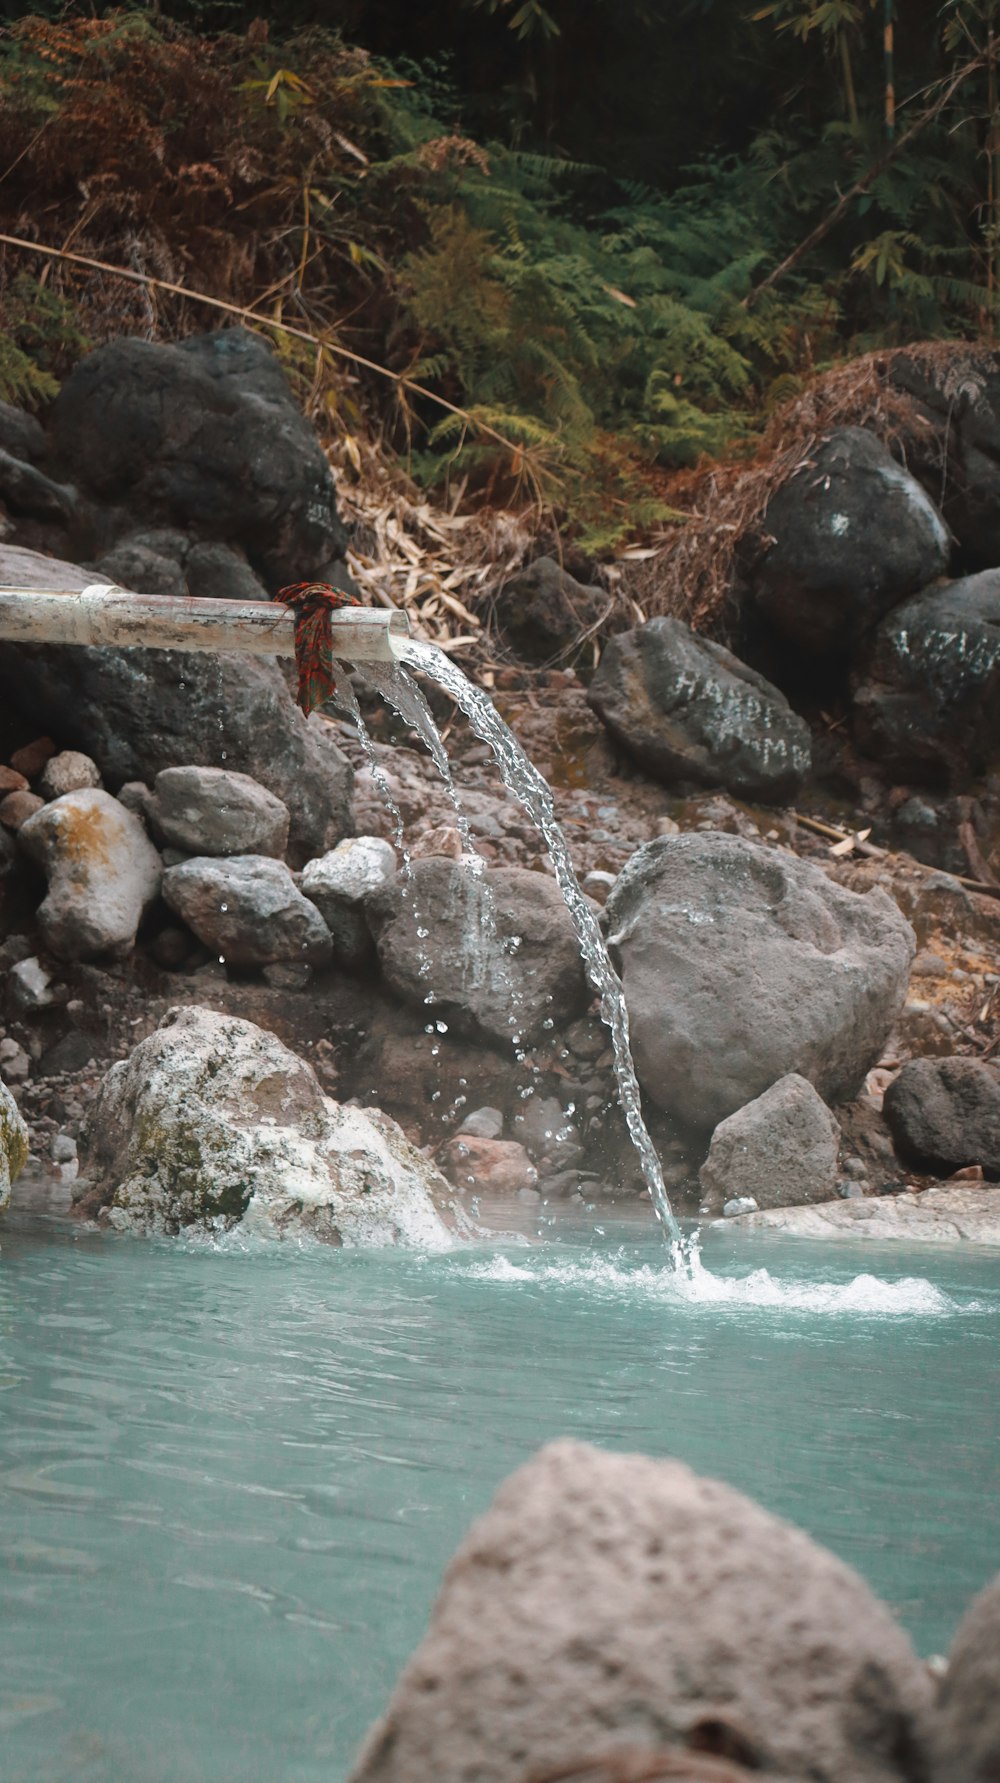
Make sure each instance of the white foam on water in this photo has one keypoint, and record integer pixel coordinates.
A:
(865, 1295)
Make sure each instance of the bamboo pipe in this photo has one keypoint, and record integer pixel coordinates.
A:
(104, 614)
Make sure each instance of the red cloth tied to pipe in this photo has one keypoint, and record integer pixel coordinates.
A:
(313, 604)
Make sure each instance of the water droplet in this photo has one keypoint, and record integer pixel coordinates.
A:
(548, 1022)
(442, 1027)
(223, 907)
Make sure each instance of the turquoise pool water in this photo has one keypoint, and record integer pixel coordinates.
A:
(231, 1478)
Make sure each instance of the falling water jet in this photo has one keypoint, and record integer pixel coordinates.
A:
(405, 698)
(522, 779)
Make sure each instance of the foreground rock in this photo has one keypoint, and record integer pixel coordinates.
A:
(967, 1730)
(102, 869)
(212, 1122)
(927, 692)
(947, 1214)
(781, 1150)
(13, 1144)
(743, 963)
(852, 533)
(498, 955)
(136, 712)
(691, 713)
(607, 1601)
(214, 811)
(204, 433)
(945, 1113)
(247, 909)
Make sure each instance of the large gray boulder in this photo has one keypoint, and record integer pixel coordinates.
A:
(202, 434)
(214, 811)
(102, 869)
(13, 1144)
(944, 1113)
(926, 692)
(742, 963)
(967, 1729)
(498, 954)
(691, 712)
(848, 536)
(610, 1601)
(248, 909)
(137, 711)
(781, 1149)
(212, 1122)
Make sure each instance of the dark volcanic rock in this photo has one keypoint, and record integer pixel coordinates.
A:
(853, 534)
(148, 563)
(543, 610)
(741, 964)
(945, 1113)
(26, 490)
(954, 445)
(162, 561)
(459, 966)
(611, 1601)
(927, 691)
(203, 435)
(20, 434)
(690, 711)
(137, 711)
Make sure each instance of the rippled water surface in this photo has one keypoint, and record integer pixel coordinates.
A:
(231, 1479)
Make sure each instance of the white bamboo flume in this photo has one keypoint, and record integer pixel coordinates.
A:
(105, 614)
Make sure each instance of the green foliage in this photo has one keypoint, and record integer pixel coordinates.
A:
(597, 332)
(39, 339)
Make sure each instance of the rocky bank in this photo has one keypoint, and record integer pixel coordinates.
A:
(813, 987)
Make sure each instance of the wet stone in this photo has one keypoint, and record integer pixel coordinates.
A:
(248, 909)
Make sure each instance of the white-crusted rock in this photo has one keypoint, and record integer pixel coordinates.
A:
(212, 1122)
(102, 869)
(13, 1144)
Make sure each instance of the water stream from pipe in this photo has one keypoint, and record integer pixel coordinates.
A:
(529, 787)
